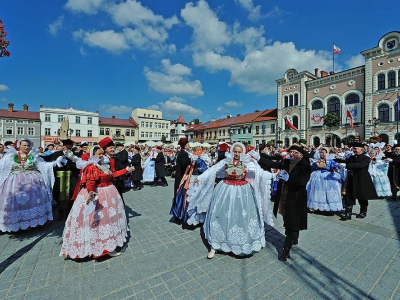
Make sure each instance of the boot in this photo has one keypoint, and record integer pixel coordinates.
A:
(363, 213)
(286, 251)
(347, 213)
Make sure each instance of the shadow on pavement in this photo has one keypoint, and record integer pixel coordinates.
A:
(394, 208)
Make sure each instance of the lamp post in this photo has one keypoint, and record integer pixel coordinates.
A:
(374, 122)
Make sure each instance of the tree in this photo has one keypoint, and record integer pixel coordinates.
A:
(331, 120)
(3, 41)
(163, 139)
(195, 121)
(350, 140)
(303, 141)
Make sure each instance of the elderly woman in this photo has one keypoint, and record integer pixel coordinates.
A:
(25, 189)
(235, 211)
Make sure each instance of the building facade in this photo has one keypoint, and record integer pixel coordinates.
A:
(178, 128)
(16, 124)
(124, 131)
(83, 125)
(151, 125)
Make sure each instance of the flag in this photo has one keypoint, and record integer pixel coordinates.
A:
(350, 116)
(263, 127)
(289, 123)
(336, 49)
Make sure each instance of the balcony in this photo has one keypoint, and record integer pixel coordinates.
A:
(118, 137)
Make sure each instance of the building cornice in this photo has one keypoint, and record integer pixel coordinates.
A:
(355, 72)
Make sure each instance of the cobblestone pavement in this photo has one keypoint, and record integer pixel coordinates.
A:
(357, 259)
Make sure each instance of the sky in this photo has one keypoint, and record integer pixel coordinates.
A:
(202, 59)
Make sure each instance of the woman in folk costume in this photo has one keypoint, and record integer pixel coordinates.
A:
(198, 167)
(97, 224)
(26, 181)
(136, 162)
(148, 166)
(324, 189)
(235, 211)
(379, 177)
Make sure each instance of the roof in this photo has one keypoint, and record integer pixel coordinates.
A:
(118, 122)
(197, 127)
(20, 114)
(180, 120)
(267, 115)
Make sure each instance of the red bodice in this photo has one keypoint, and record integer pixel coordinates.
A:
(93, 177)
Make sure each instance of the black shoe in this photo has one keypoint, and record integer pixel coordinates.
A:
(286, 252)
(361, 215)
(347, 213)
(165, 184)
(295, 242)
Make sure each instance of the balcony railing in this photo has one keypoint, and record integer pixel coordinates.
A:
(118, 137)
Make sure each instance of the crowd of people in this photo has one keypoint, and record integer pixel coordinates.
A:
(233, 191)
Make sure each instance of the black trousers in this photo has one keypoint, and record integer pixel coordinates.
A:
(292, 237)
(137, 183)
(163, 180)
(352, 201)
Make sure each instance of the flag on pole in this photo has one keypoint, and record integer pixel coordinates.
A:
(350, 116)
(336, 49)
(289, 122)
(263, 127)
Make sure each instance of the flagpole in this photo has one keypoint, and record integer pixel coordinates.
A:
(346, 125)
(333, 58)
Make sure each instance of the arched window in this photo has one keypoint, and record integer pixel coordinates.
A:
(384, 138)
(295, 120)
(334, 106)
(383, 113)
(286, 101)
(286, 140)
(290, 100)
(294, 140)
(381, 81)
(352, 98)
(296, 99)
(391, 79)
(316, 141)
(396, 111)
(317, 104)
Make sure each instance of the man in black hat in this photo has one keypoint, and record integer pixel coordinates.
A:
(292, 194)
(66, 177)
(358, 184)
(84, 145)
(121, 162)
(394, 169)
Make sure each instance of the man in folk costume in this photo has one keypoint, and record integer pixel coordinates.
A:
(160, 167)
(182, 161)
(84, 145)
(121, 162)
(292, 194)
(394, 169)
(66, 177)
(358, 183)
(137, 174)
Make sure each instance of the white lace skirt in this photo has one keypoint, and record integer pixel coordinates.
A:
(24, 202)
(233, 222)
(98, 232)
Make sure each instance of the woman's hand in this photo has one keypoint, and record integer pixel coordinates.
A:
(90, 197)
(196, 181)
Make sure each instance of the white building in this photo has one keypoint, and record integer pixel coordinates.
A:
(83, 125)
(178, 129)
(152, 127)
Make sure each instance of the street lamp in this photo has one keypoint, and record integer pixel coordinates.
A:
(374, 122)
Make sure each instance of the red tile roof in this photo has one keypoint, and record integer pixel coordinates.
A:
(269, 114)
(117, 122)
(181, 120)
(19, 114)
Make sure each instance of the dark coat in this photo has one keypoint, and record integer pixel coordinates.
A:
(160, 165)
(295, 217)
(121, 160)
(137, 163)
(269, 157)
(182, 161)
(359, 182)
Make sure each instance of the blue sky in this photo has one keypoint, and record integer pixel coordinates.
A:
(202, 59)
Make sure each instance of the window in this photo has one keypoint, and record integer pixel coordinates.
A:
(118, 132)
(144, 115)
(257, 129)
(19, 121)
(223, 132)
(9, 130)
(132, 132)
(286, 141)
(47, 131)
(352, 98)
(101, 131)
(127, 132)
(391, 79)
(296, 99)
(47, 117)
(316, 141)
(157, 116)
(151, 135)
(147, 124)
(334, 106)
(77, 119)
(296, 121)
(166, 126)
(163, 125)
(58, 132)
(249, 129)
(159, 125)
(294, 140)
(31, 131)
(147, 134)
(153, 116)
(142, 124)
(60, 118)
(107, 131)
(20, 130)
(317, 104)
(383, 113)
(77, 132)
(286, 101)
(89, 133)
(290, 100)
(273, 128)
(89, 120)
(220, 132)
(381, 81)
(151, 124)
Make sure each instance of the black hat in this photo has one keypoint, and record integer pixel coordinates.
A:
(300, 149)
(395, 146)
(117, 144)
(358, 144)
(261, 147)
(67, 142)
(8, 143)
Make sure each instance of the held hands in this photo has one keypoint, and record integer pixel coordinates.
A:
(130, 169)
(196, 181)
(321, 164)
(90, 197)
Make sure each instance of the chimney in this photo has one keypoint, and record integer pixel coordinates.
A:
(10, 106)
(331, 73)
(238, 115)
(324, 74)
(25, 107)
(316, 72)
(228, 116)
(41, 106)
(112, 117)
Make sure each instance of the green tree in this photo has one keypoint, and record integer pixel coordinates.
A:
(163, 139)
(303, 141)
(195, 121)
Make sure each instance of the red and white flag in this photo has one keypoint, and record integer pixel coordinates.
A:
(350, 116)
(289, 122)
(336, 49)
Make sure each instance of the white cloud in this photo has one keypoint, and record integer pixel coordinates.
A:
(56, 25)
(233, 104)
(154, 106)
(82, 51)
(221, 109)
(254, 11)
(109, 39)
(3, 88)
(175, 106)
(86, 6)
(3, 99)
(355, 61)
(173, 80)
(275, 12)
(115, 110)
